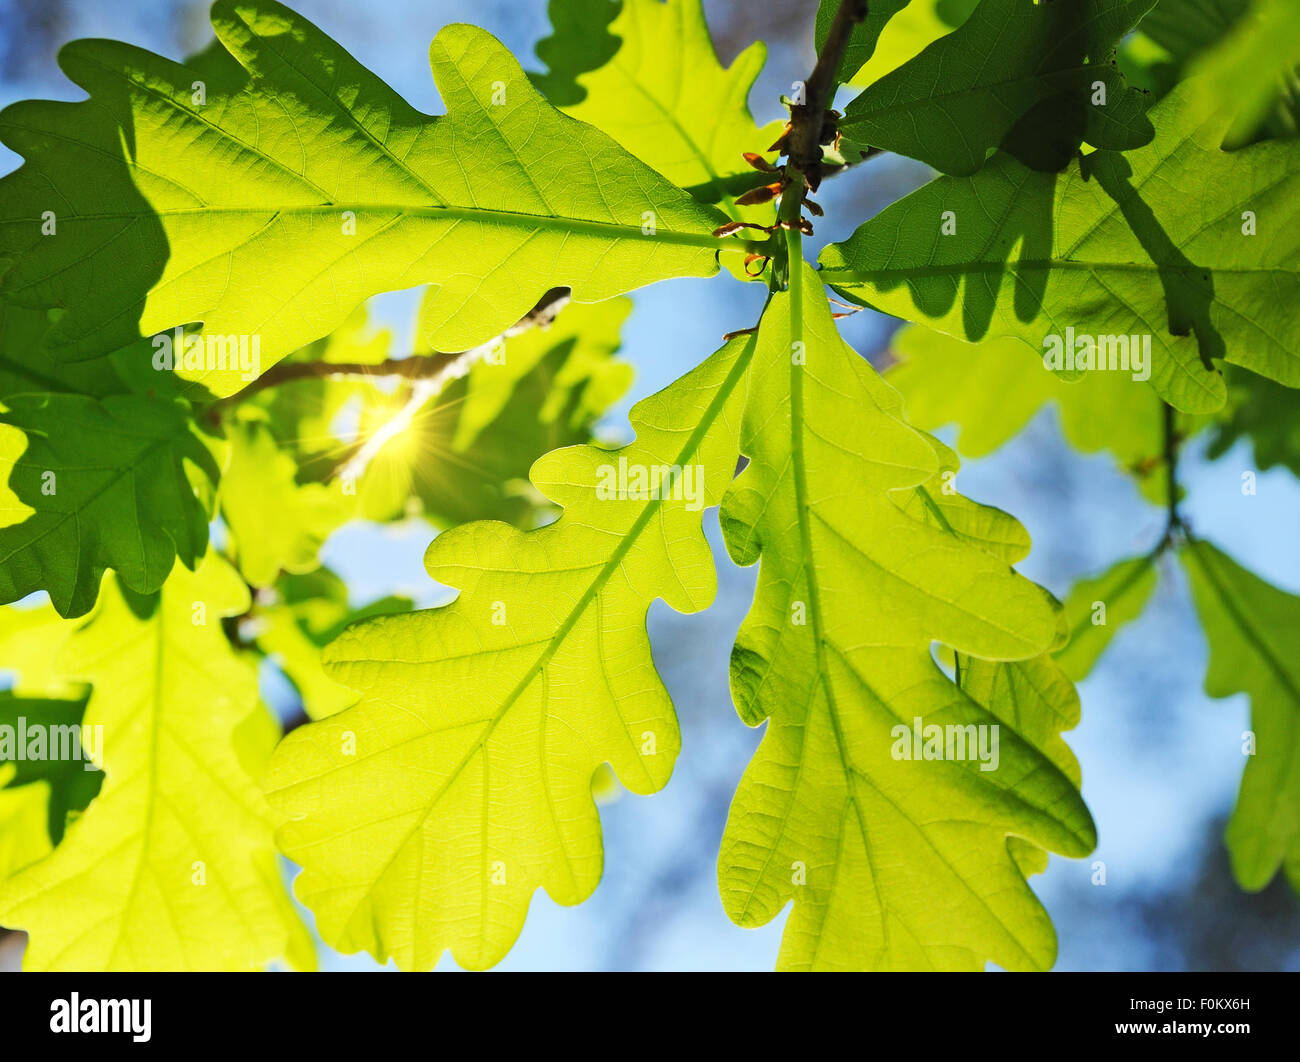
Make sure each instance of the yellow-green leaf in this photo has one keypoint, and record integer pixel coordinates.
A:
(1098, 607)
(1253, 629)
(174, 209)
(426, 816)
(891, 862)
(172, 867)
(664, 96)
(276, 523)
(1104, 250)
(991, 390)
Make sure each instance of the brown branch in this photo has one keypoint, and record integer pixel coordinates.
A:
(1174, 519)
(412, 367)
(811, 125)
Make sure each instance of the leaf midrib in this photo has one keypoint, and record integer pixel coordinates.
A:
(1129, 582)
(567, 226)
(1248, 631)
(803, 509)
(863, 116)
(692, 443)
(794, 244)
(836, 275)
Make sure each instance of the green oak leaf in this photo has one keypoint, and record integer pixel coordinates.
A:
(664, 96)
(1037, 699)
(317, 173)
(915, 27)
(276, 523)
(1252, 629)
(26, 368)
(172, 866)
(101, 467)
(1096, 250)
(426, 816)
(122, 482)
(66, 784)
(580, 42)
(24, 814)
(835, 656)
(1264, 412)
(936, 502)
(990, 391)
(304, 614)
(1260, 58)
(1033, 696)
(863, 39)
(1185, 27)
(1254, 47)
(1098, 607)
(1028, 77)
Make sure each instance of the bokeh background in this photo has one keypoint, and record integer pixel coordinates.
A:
(1161, 761)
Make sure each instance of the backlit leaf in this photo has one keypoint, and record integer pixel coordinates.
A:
(317, 173)
(1036, 79)
(124, 483)
(862, 41)
(172, 866)
(990, 390)
(1252, 629)
(835, 656)
(1156, 241)
(305, 614)
(919, 24)
(664, 96)
(1266, 413)
(427, 815)
(276, 523)
(1098, 607)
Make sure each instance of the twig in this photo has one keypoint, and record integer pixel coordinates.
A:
(413, 367)
(808, 120)
(1174, 523)
(1173, 520)
(436, 366)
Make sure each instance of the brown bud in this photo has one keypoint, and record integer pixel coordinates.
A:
(765, 194)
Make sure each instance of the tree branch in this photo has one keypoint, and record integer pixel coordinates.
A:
(809, 127)
(433, 366)
(413, 367)
(1173, 520)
